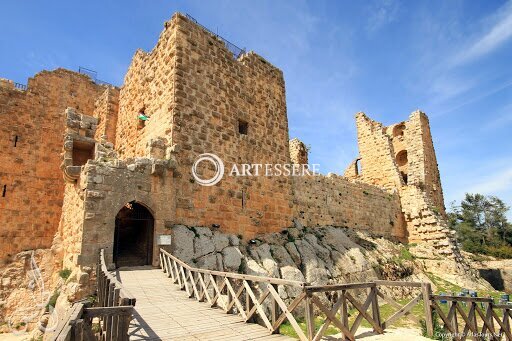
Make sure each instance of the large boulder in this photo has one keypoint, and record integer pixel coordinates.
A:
(220, 241)
(267, 261)
(183, 243)
(203, 246)
(232, 258)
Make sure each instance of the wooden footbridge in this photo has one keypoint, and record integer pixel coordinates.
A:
(179, 302)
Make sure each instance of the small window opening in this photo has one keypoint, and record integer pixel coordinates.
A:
(142, 117)
(15, 140)
(82, 152)
(404, 176)
(398, 130)
(4, 190)
(401, 158)
(243, 127)
(358, 167)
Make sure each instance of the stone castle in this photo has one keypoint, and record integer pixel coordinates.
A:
(82, 171)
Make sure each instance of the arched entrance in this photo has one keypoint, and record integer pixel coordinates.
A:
(133, 236)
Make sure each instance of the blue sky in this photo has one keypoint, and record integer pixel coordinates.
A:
(451, 59)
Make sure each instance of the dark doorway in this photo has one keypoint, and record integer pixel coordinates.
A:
(133, 236)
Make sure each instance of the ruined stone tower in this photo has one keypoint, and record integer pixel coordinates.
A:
(401, 158)
(298, 152)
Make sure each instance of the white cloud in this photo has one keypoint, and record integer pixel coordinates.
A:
(475, 98)
(498, 182)
(495, 36)
(381, 14)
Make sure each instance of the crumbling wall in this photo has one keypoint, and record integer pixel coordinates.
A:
(353, 170)
(401, 157)
(31, 141)
(425, 223)
(335, 201)
(423, 168)
(376, 151)
(298, 152)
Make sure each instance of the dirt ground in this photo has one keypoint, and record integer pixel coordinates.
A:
(398, 334)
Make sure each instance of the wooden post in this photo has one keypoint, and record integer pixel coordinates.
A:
(111, 303)
(375, 305)
(215, 281)
(229, 296)
(310, 318)
(344, 311)
(115, 318)
(506, 318)
(124, 322)
(455, 323)
(78, 329)
(248, 302)
(274, 310)
(426, 291)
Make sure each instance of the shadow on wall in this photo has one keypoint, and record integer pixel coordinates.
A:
(493, 276)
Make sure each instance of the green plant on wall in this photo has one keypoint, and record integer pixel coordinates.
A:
(65, 273)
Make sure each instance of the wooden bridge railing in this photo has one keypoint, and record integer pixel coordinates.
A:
(110, 317)
(474, 317)
(236, 293)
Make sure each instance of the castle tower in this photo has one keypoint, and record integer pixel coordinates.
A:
(401, 158)
(201, 96)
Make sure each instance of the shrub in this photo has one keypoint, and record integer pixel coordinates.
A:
(65, 273)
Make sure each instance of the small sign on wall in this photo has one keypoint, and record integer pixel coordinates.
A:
(164, 239)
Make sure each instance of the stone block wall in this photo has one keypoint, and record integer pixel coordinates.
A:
(335, 201)
(424, 222)
(236, 109)
(150, 88)
(31, 141)
(200, 99)
(376, 151)
(103, 190)
(106, 110)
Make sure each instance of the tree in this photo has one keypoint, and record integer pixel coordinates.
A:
(481, 224)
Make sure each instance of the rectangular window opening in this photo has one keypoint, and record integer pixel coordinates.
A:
(15, 140)
(4, 190)
(242, 127)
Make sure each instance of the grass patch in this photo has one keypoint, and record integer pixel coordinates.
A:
(287, 329)
(65, 273)
(405, 254)
(387, 310)
(53, 300)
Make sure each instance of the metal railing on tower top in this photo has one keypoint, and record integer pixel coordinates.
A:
(237, 51)
(92, 75)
